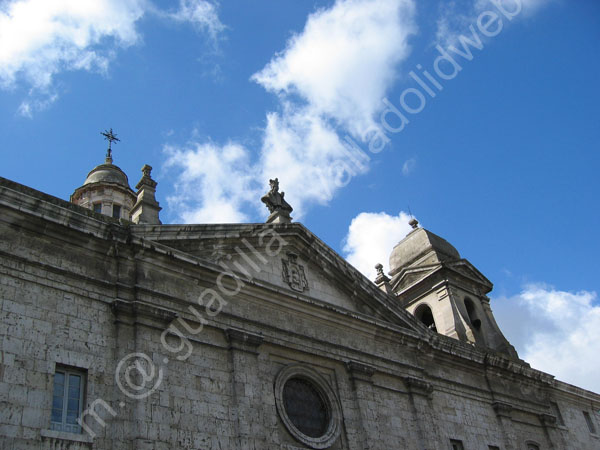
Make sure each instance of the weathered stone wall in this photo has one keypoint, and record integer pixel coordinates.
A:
(79, 290)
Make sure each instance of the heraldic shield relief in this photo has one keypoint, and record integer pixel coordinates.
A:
(293, 273)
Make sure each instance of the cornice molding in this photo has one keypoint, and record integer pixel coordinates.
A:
(418, 386)
(243, 340)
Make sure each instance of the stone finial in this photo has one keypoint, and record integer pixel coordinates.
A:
(146, 170)
(382, 281)
(274, 200)
(414, 223)
(146, 178)
(146, 207)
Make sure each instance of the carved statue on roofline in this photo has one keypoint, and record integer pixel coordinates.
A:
(274, 200)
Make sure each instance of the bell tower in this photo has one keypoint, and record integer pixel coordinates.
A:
(444, 291)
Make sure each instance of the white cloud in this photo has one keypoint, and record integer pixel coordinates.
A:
(227, 182)
(202, 13)
(37, 102)
(330, 80)
(371, 238)
(409, 166)
(555, 331)
(454, 19)
(344, 60)
(41, 38)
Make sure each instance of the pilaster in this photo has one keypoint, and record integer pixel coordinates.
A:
(504, 415)
(361, 377)
(247, 407)
(420, 394)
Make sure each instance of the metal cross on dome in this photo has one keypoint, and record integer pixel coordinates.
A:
(110, 137)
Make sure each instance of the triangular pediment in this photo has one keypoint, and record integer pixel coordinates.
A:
(468, 270)
(287, 258)
(413, 275)
(410, 276)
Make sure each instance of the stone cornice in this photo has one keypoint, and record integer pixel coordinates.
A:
(243, 340)
(132, 312)
(548, 420)
(503, 409)
(360, 371)
(500, 362)
(29, 201)
(418, 386)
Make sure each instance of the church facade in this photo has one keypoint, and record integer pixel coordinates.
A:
(119, 332)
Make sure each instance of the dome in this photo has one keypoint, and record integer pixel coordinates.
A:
(421, 247)
(107, 173)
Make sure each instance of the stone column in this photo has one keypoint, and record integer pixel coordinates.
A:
(362, 388)
(247, 409)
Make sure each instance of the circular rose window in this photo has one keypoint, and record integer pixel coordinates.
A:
(307, 406)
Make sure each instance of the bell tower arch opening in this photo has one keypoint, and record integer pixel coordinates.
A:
(425, 315)
(470, 307)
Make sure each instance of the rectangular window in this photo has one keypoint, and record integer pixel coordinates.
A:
(493, 447)
(590, 422)
(557, 413)
(98, 208)
(116, 211)
(67, 399)
(456, 444)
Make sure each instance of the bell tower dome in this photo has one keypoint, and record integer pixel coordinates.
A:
(106, 188)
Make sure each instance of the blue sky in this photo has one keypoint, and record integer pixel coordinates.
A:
(501, 159)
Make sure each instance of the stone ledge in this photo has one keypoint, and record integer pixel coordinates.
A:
(64, 436)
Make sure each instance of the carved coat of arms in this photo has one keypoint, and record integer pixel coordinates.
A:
(293, 273)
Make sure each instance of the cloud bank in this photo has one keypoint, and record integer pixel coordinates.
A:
(329, 79)
(555, 331)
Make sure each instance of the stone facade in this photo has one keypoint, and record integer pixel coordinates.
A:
(186, 335)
